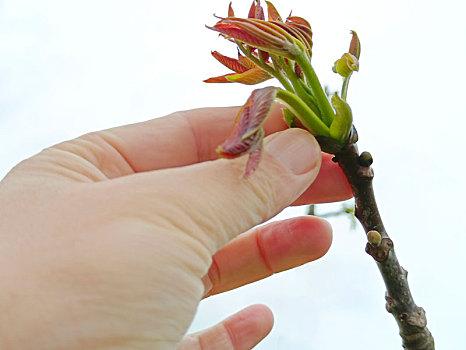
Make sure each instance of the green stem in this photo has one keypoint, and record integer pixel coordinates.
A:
(322, 100)
(344, 88)
(273, 72)
(295, 81)
(282, 78)
(311, 100)
(302, 111)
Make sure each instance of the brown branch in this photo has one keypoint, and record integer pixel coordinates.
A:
(411, 318)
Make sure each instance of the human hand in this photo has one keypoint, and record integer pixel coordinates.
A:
(112, 239)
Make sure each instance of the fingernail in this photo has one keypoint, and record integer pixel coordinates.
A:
(296, 149)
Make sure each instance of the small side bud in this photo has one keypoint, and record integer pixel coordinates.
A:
(349, 62)
(365, 159)
(346, 65)
(374, 238)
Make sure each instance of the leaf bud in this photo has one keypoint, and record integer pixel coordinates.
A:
(346, 65)
(365, 159)
(374, 238)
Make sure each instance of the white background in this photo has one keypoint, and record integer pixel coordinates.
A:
(70, 67)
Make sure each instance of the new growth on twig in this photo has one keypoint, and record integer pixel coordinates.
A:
(282, 49)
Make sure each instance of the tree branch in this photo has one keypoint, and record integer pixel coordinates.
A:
(411, 318)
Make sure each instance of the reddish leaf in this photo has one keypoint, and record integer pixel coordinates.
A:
(252, 10)
(233, 64)
(272, 12)
(236, 32)
(355, 45)
(245, 61)
(250, 77)
(219, 79)
(301, 24)
(248, 133)
(298, 31)
(260, 12)
(298, 20)
(266, 32)
(253, 161)
(295, 32)
(274, 37)
(231, 13)
(246, 71)
(256, 10)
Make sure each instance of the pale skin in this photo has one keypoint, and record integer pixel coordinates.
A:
(110, 241)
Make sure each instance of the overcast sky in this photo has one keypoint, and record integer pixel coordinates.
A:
(71, 67)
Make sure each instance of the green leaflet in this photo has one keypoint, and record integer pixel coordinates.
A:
(341, 124)
(289, 117)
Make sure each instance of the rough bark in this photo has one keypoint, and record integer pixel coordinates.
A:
(411, 318)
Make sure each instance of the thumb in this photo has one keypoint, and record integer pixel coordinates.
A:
(213, 202)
